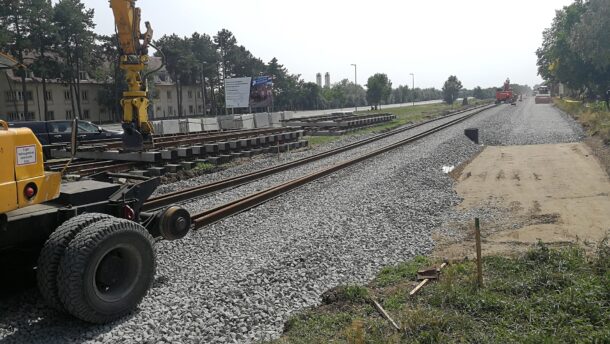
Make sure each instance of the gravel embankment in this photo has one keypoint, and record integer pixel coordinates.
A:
(260, 162)
(239, 279)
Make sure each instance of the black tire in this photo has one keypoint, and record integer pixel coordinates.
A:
(53, 250)
(107, 270)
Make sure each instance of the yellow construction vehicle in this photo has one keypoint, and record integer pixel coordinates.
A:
(27, 183)
(134, 58)
(88, 242)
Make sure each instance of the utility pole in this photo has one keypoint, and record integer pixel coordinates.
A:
(413, 88)
(356, 82)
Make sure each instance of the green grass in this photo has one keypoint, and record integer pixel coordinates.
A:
(404, 115)
(594, 117)
(204, 166)
(545, 296)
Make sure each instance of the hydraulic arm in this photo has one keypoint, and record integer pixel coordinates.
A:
(133, 60)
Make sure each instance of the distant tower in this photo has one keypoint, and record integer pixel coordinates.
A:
(319, 79)
(327, 80)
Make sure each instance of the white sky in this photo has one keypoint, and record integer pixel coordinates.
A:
(480, 41)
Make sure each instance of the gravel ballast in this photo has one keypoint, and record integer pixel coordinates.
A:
(239, 279)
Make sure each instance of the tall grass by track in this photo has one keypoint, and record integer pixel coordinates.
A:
(594, 117)
(545, 296)
(404, 115)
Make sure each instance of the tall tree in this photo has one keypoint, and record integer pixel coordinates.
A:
(401, 94)
(204, 52)
(13, 16)
(311, 96)
(285, 85)
(557, 60)
(590, 39)
(43, 37)
(451, 89)
(74, 25)
(379, 88)
(478, 93)
(110, 75)
(225, 43)
(180, 63)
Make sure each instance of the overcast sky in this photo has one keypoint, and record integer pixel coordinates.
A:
(480, 41)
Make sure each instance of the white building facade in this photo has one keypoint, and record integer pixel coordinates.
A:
(163, 102)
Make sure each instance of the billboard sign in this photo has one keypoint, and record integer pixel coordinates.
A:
(261, 92)
(237, 92)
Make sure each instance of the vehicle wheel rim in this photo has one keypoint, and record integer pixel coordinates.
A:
(116, 273)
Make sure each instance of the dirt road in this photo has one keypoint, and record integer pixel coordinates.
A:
(556, 193)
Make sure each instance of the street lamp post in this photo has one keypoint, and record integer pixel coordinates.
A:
(356, 82)
(413, 87)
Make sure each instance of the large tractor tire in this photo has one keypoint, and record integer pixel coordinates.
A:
(106, 270)
(53, 250)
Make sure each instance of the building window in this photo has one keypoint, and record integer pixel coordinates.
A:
(199, 108)
(68, 114)
(19, 116)
(67, 95)
(18, 96)
(170, 110)
(190, 94)
(48, 96)
(199, 94)
(50, 115)
(191, 109)
(84, 95)
(85, 114)
(169, 94)
(82, 75)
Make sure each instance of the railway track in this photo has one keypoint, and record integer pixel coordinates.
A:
(175, 140)
(231, 208)
(89, 166)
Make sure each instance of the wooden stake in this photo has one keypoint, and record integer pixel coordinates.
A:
(477, 236)
(419, 286)
(385, 315)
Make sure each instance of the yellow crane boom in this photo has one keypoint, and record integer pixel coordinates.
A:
(133, 60)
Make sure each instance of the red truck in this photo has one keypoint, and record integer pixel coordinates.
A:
(504, 94)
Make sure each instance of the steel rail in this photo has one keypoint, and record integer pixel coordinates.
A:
(216, 214)
(183, 195)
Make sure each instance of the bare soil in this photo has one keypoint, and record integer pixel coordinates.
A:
(555, 193)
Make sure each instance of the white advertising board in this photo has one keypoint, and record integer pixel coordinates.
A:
(237, 92)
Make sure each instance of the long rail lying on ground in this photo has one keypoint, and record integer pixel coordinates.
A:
(183, 195)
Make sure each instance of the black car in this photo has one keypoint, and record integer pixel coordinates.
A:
(51, 132)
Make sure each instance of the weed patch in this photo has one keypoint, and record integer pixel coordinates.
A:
(594, 117)
(545, 296)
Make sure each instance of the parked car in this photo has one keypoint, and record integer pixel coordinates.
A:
(51, 132)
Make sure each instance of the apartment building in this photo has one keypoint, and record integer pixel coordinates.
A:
(164, 100)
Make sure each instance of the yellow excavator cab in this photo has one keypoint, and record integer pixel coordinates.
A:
(23, 180)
